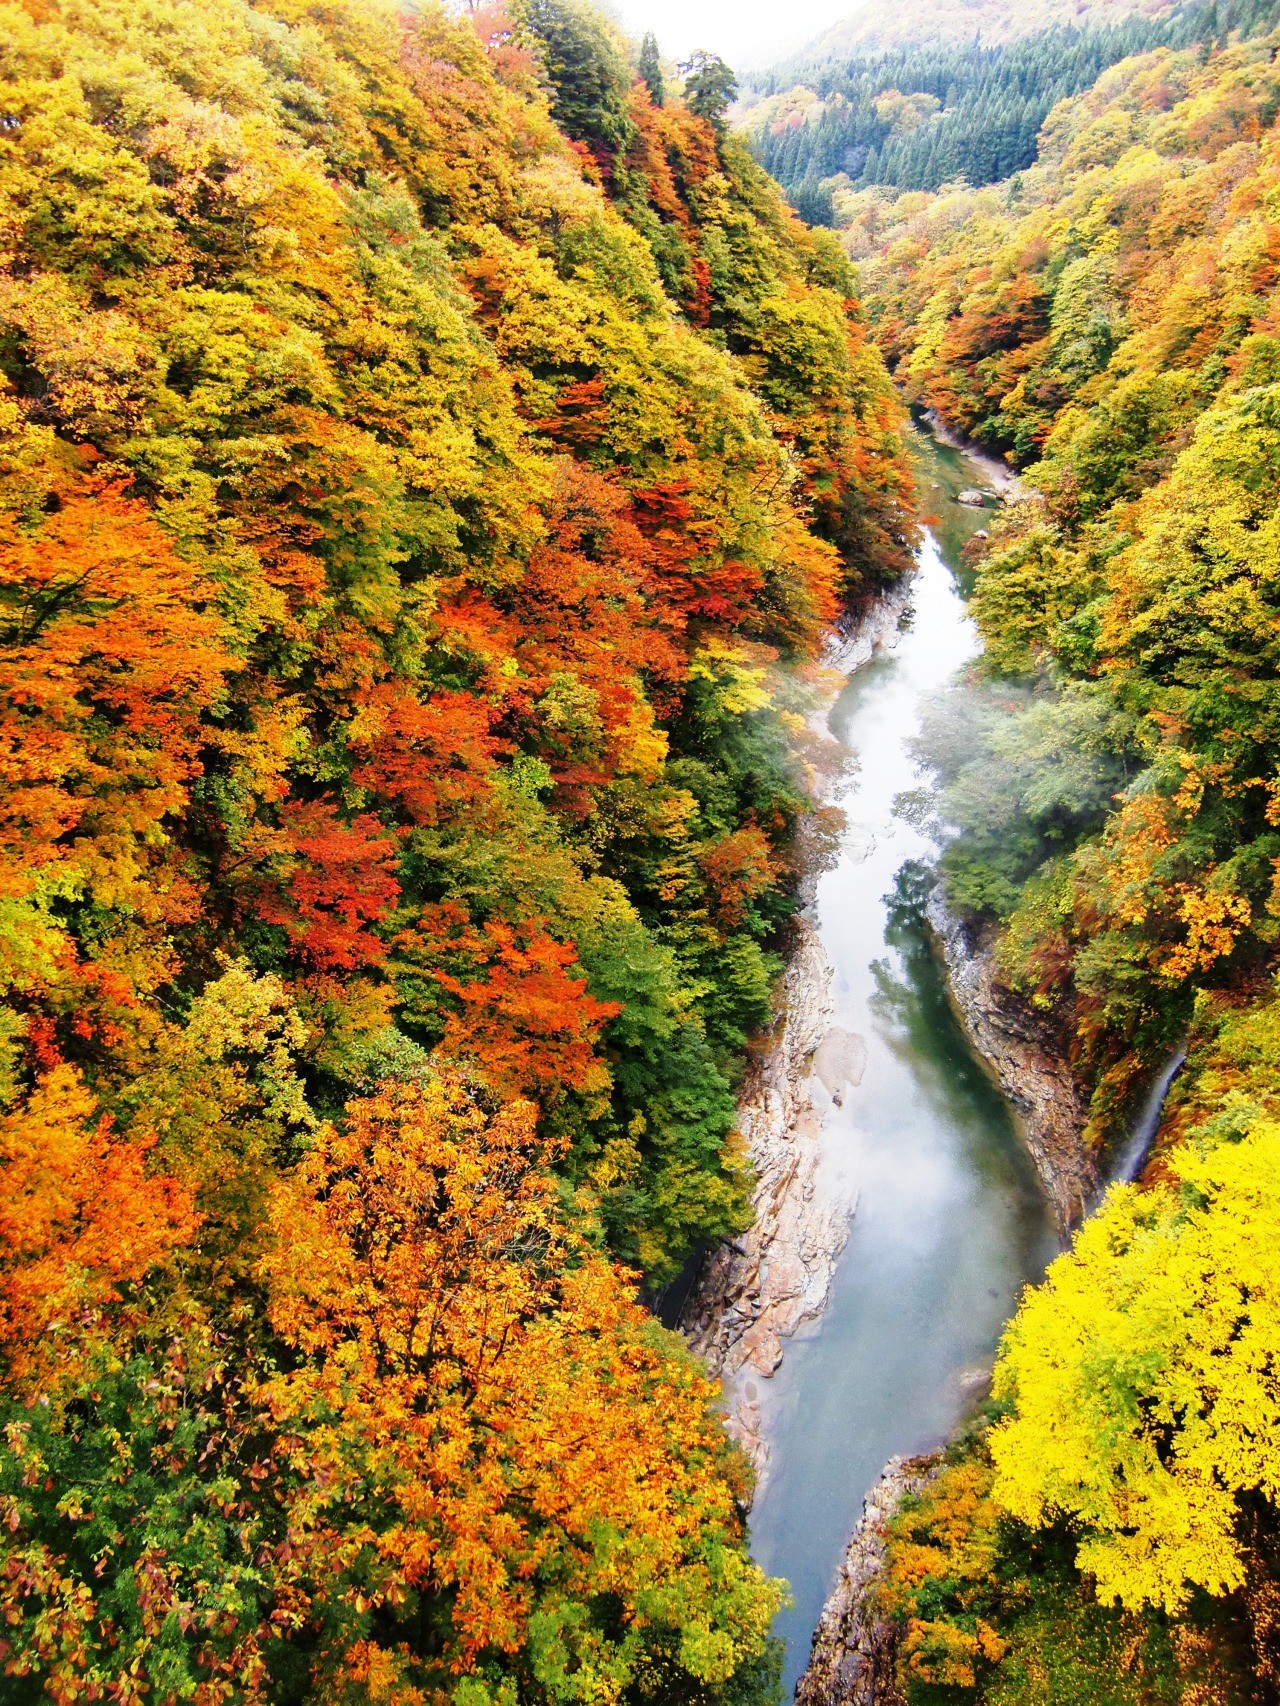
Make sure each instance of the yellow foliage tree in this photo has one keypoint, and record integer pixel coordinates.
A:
(1144, 1381)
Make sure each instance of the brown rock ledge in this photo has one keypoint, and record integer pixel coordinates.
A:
(852, 1662)
(1009, 1039)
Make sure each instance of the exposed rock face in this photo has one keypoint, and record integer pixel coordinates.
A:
(754, 1293)
(1040, 1087)
(858, 639)
(853, 1647)
(993, 468)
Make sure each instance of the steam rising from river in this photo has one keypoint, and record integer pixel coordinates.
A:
(1022, 774)
(949, 1224)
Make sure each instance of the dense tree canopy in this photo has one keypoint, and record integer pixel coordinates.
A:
(934, 111)
(426, 468)
(1107, 319)
(1143, 1378)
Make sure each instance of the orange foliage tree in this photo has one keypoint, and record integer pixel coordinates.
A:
(81, 1221)
(503, 1422)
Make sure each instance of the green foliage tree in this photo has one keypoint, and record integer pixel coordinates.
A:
(650, 67)
(710, 87)
(919, 115)
(586, 69)
(1022, 786)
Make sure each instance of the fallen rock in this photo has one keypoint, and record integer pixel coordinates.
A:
(839, 1061)
(974, 499)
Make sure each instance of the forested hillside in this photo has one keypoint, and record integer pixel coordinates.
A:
(931, 110)
(867, 24)
(1108, 319)
(426, 465)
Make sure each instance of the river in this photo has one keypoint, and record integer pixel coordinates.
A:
(950, 1224)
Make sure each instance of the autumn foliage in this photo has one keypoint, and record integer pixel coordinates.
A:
(534, 1428)
(426, 469)
(1108, 320)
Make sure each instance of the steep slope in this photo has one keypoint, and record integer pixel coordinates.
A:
(416, 519)
(872, 25)
(1108, 319)
(932, 108)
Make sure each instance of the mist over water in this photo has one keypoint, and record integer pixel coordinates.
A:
(950, 1224)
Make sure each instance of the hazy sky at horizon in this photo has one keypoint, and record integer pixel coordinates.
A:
(745, 32)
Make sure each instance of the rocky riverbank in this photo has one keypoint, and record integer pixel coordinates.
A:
(852, 1662)
(998, 473)
(1040, 1087)
(852, 1659)
(854, 1646)
(860, 636)
(753, 1294)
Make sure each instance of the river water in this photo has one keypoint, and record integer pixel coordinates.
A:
(950, 1224)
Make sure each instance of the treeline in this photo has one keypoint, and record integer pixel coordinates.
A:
(426, 466)
(919, 117)
(1111, 321)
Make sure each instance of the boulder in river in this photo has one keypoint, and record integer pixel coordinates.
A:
(972, 498)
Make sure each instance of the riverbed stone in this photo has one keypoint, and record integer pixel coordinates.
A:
(839, 1061)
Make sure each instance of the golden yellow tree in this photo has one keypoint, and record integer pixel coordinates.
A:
(1145, 1379)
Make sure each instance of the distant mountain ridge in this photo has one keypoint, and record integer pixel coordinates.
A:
(952, 90)
(872, 25)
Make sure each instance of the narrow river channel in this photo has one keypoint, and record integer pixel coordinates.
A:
(950, 1225)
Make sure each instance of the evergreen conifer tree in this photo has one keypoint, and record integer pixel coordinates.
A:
(651, 69)
(710, 87)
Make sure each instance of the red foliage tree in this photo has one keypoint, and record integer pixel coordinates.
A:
(336, 883)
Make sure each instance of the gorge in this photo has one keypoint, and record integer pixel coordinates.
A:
(920, 1143)
(912, 1141)
(519, 765)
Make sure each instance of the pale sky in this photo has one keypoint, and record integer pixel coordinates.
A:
(745, 32)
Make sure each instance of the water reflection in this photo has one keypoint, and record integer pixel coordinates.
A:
(941, 472)
(949, 1225)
